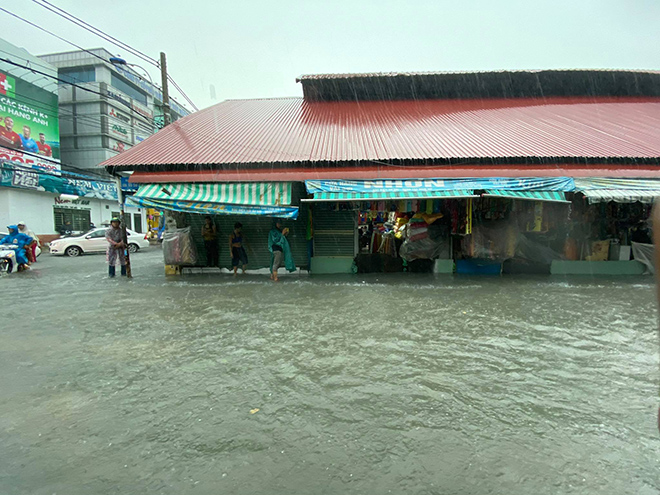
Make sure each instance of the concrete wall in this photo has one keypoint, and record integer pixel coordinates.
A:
(36, 209)
(632, 267)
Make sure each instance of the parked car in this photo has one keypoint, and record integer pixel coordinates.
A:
(94, 242)
(38, 251)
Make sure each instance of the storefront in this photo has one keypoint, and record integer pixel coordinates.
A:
(425, 225)
(255, 205)
(45, 201)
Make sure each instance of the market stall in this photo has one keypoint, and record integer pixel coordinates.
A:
(256, 205)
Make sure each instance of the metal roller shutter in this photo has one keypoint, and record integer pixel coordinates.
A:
(335, 232)
(255, 232)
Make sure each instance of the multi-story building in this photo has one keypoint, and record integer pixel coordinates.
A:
(105, 108)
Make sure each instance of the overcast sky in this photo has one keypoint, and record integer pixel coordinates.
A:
(219, 49)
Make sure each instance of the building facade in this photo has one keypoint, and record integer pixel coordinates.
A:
(39, 179)
(105, 109)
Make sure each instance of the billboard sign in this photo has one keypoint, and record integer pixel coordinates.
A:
(28, 119)
(151, 89)
(33, 161)
(13, 175)
(119, 115)
(119, 130)
(119, 146)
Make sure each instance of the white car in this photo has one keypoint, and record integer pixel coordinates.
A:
(94, 242)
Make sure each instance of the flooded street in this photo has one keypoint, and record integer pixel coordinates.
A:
(380, 384)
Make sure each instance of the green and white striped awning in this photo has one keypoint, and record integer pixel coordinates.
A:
(620, 195)
(555, 196)
(604, 189)
(394, 195)
(232, 193)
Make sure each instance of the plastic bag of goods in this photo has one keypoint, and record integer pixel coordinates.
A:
(179, 247)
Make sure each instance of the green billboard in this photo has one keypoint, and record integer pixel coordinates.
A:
(28, 118)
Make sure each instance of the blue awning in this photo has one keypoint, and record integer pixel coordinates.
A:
(416, 188)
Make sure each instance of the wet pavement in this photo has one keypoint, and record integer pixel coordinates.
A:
(332, 385)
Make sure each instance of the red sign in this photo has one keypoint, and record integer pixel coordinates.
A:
(33, 161)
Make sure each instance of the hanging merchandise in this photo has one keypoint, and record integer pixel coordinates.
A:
(536, 225)
(468, 217)
(419, 244)
(179, 248)
(455, 216)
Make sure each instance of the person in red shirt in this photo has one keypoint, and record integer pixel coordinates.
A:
(44, 149)
(8, 138)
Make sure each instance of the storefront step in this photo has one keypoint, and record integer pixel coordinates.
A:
(632, 267)
(325, 265)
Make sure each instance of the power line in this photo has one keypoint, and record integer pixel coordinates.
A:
(90, 27)
(51, 33)
(79, 22)
(63, 81)
(27, 60)
(90, 52)
(169, 78)
(111, 39)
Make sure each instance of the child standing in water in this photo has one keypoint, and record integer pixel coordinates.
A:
(237, 248)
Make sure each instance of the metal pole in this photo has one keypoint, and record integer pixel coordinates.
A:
(124, 236)
(166, 94)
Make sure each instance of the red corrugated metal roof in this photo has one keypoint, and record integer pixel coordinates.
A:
(353, 75)
(295, 131)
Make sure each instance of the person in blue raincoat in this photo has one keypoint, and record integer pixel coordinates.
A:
(15, 237)
(280, 251)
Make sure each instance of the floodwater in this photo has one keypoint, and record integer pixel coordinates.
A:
(364, 385)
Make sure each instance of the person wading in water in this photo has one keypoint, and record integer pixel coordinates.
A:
(280, 251)
(210, 235)
(237, 251)
(116, 246)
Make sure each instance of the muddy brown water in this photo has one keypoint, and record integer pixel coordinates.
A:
(382, 384)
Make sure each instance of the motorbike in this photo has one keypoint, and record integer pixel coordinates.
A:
(8, 258)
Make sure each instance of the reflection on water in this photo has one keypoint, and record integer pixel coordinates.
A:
(379, 384)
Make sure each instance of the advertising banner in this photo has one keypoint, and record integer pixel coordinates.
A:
(119, 146)
(36, 162)
(24, 178)
(119, 115)
(28, 118)
(120, 130)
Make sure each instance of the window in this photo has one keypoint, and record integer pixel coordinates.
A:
(77, 75)
(80, 219)
(128, 88)
(97, 233)
(137, 222)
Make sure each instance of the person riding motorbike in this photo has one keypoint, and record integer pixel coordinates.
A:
(30, 249)
(16, 238)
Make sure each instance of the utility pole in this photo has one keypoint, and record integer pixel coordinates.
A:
(166, 94)
(124, 236)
